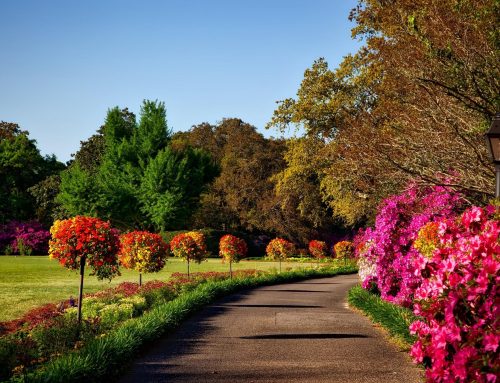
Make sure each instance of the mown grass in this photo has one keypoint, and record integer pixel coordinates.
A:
(28, 282)
(394, 319)
(103, 358)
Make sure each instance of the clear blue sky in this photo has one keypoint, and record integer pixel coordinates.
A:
(64, 63)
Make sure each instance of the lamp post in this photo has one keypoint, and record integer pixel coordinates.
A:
(493, 139)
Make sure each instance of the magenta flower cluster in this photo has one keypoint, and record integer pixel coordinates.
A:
(458, 301)
(386, 255)
(32, 234)
(453, 289)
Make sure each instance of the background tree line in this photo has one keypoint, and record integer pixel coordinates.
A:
(412, 104)
(137, 174)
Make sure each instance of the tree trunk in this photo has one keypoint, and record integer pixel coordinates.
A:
(80, 292)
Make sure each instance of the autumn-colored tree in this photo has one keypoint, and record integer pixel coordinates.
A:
(232, 249)
(81, 241)
(318, 249)
(344, 250)
(243, 195)
(414, 101)
(143, 251)
(279, 249)
(190, 246)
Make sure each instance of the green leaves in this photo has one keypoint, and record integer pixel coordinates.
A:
(21, 166)
(139, 181)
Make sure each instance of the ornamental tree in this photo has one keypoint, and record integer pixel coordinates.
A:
(143, 251)
(344, 249)
(318, 249)
(81, 241)
(232, 249)
(279, 249)
(457, 301)
(189, 246)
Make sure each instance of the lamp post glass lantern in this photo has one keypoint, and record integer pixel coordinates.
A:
(493, 139)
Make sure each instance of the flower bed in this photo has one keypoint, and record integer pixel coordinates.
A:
(101, 357)
(49, 330)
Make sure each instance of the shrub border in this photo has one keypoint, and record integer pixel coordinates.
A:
(107, 356)
(395, 319)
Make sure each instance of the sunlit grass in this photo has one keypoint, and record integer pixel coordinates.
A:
(27, 282)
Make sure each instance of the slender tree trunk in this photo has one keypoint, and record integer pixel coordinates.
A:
(230, 269)
(140, 279)
(80, 291)
(188, 268)
(280, 265)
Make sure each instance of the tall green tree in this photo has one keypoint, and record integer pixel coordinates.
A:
(21, 167)
(171, 186)
(138, 180)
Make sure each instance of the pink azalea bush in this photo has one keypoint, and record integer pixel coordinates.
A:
(458, 301)
(423, 254)
(28, 237)
(385, 253)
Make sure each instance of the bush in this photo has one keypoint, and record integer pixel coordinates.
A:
(256, 243)
(386, 254)
(318, 249)
(279, 249)
(232, 248)
(24, 238)
(58, 337)
(143, 251)
(189, 246)
(344, 250)
(88, 239)
(459, 333)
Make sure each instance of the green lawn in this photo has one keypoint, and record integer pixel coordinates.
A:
(27, 282)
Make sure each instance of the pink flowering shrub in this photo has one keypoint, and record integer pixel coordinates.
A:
(385, 253)
(28, 237)
(458, 300)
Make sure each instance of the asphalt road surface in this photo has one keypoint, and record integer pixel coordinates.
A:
(297, 332)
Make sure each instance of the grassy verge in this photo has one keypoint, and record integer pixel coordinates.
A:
(394, 319)
(28, 282)
(104, 357)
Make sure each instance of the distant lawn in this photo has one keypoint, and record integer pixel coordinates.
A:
(27, 282)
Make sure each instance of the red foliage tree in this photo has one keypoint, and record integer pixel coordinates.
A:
(143, 251)
(81, 241)
(232, 249)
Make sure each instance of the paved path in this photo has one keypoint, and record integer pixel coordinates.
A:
(298, 332)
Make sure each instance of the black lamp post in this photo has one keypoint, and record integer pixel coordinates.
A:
(493, 138)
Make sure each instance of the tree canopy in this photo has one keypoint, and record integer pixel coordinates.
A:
(413, 102)
(135, 178)
(21, 167)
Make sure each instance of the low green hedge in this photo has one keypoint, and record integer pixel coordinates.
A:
(104, 357)
(395, 319)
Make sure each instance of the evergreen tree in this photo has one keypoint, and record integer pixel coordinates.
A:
(140, 181)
